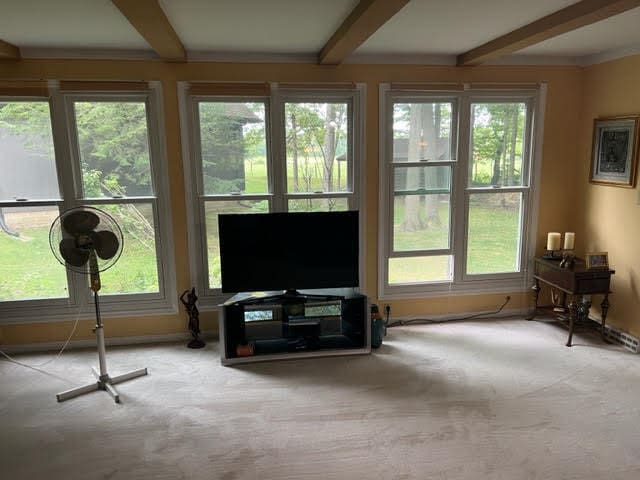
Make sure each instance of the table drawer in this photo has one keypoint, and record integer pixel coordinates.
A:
(592, 285)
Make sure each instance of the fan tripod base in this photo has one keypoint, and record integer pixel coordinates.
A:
(103, 382)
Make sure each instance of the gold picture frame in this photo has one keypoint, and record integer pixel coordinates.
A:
(597, 260)
(614, 157)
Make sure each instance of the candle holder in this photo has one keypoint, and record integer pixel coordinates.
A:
(553, 255)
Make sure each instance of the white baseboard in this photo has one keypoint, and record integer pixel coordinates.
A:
(91, 342)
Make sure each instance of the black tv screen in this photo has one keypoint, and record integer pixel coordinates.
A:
(288, 251)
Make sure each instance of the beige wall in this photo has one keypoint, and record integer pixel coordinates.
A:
(608, 218)
(560, 148)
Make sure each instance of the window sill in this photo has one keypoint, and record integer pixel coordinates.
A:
(511, 285)
(45, 312)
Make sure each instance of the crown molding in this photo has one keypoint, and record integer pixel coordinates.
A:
(401, 59)
(87, 53)
(535, 60)
(311, 58)
(250, 57)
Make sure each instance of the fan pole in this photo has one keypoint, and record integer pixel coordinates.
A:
(102, 351)
(104, 381)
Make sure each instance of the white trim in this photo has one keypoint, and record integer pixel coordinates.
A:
(79, 300)
(383, 190)
(462, 282)
(159, 166)
(190, 190)
(359, 174)
(535, 180)
(428, 290)
(276, 194)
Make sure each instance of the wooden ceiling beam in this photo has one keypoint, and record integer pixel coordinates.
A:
(362, 22)
(8, 51)
(150, 21)
(570, 18)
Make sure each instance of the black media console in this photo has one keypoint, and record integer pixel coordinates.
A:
(268, 325)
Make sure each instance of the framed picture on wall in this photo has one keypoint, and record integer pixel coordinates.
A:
(615, 151)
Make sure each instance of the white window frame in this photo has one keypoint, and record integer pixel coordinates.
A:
(461, 282)
(79, 302)
(277, 194)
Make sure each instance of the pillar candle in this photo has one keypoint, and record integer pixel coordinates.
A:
(553, 241)
(569, 240)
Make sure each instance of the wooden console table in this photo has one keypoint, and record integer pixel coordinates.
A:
(573, 283)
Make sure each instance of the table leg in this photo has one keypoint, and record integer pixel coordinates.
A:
(573, 312)
(536, 291)
(604, 306)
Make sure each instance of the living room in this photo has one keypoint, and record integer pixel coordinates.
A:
(588, 68)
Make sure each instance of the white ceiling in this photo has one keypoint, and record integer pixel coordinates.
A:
(69, 24)
(424, 31)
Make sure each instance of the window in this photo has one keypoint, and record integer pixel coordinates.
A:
(82, 148)
(278, 150)
(456, 189)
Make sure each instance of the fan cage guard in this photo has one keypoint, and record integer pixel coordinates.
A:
(107, 222)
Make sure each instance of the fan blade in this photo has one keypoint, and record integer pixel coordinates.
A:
(80, 221)
(71, 254)
(105, 244)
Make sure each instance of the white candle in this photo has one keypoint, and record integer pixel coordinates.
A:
(553, 241)
(569, 240)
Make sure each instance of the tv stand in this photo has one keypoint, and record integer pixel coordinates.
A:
(262, 326)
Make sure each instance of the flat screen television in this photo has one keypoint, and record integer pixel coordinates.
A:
(288, 251)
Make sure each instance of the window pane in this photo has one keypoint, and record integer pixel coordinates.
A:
(114, 148)
(420, 269)
(28, 267)
(421, 208)
(233, 146)
(497, 144)
(319, 205)
(27, 159)
(494, 233)
(136, 271)
(211, 211)
(422, 132)
(318, 156)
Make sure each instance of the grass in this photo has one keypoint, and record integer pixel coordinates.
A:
(28, 269)
(492, 244)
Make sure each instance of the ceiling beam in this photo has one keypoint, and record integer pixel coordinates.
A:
(150, 21)
(362, 22)
(570, 18)
(8, 51)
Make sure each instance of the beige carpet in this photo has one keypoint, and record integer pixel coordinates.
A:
(499, 400)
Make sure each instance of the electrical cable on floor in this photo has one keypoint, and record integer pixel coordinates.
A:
(434, 320)
(51, 360)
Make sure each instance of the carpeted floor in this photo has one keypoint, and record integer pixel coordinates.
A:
(469, 400)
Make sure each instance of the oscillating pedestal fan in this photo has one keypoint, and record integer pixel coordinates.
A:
(89, 241)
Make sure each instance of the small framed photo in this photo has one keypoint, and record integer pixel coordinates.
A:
(615, 151)
(597, 260)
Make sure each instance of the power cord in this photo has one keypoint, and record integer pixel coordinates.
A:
(51, 360)
(399, 323)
